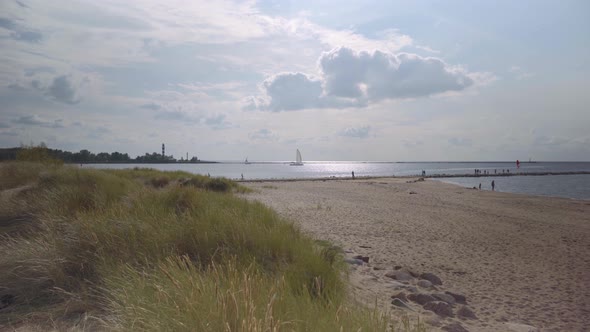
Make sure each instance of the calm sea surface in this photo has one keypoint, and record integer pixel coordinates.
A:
(571, 186)
(568, 186)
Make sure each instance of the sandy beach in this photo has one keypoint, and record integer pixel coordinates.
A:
(522, 262)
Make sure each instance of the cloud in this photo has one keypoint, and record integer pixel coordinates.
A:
(292, 91)
(16, 87)
(519, 73)
(29, 120)
(301, 28)
(351, 78)
(34, 120)
(28, 36)
(542, 140)
(217, 122)
(515, 69)
(426, 48)
(36, 84)
(7, 23)
(176, 115)
(19, 32)
(381, 75)
(4, 125)
(151, 106)
(62, 90)
(21, 4)
(98, 132)
(10, 133)
(525, 76)
(359, 132)
(465, 142)
(252, 103)
(190, 107)
(410, 144)
(263, 134)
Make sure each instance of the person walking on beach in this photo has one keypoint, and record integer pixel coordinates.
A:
(480, 186)
(353, 175)
(493, 185)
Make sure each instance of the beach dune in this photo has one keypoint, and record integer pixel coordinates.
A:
(522, 262)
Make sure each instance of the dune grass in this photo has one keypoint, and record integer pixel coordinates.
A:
(140, 249)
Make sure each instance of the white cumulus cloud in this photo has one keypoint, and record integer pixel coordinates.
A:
(380, 75)
(293, 91)
(350, 78)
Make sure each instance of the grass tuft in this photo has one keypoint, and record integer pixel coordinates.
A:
(159, 182)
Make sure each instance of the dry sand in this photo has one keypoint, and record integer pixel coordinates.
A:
(521, 261)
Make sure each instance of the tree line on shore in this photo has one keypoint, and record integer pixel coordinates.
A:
(40, 152)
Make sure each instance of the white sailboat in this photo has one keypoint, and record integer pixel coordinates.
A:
(298, 161)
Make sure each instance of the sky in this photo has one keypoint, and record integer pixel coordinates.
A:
(338, 80)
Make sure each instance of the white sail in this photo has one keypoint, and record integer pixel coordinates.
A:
(298, 159)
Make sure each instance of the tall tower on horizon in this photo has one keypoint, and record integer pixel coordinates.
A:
(163, 150)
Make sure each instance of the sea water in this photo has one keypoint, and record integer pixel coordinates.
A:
(571, 186)
(568, 186)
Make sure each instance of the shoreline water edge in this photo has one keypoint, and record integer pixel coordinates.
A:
(560, 179)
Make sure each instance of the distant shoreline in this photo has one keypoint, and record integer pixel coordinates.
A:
(143, 162)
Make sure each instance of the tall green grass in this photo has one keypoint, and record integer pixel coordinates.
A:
(165, 255)
(179, 297)
(15, 174)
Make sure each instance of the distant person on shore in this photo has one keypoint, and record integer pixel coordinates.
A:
(495, 171)
(353, 175)
(480, 186)
(242, 176)
(493, 185)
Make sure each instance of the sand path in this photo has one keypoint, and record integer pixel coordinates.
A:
(520, 260)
